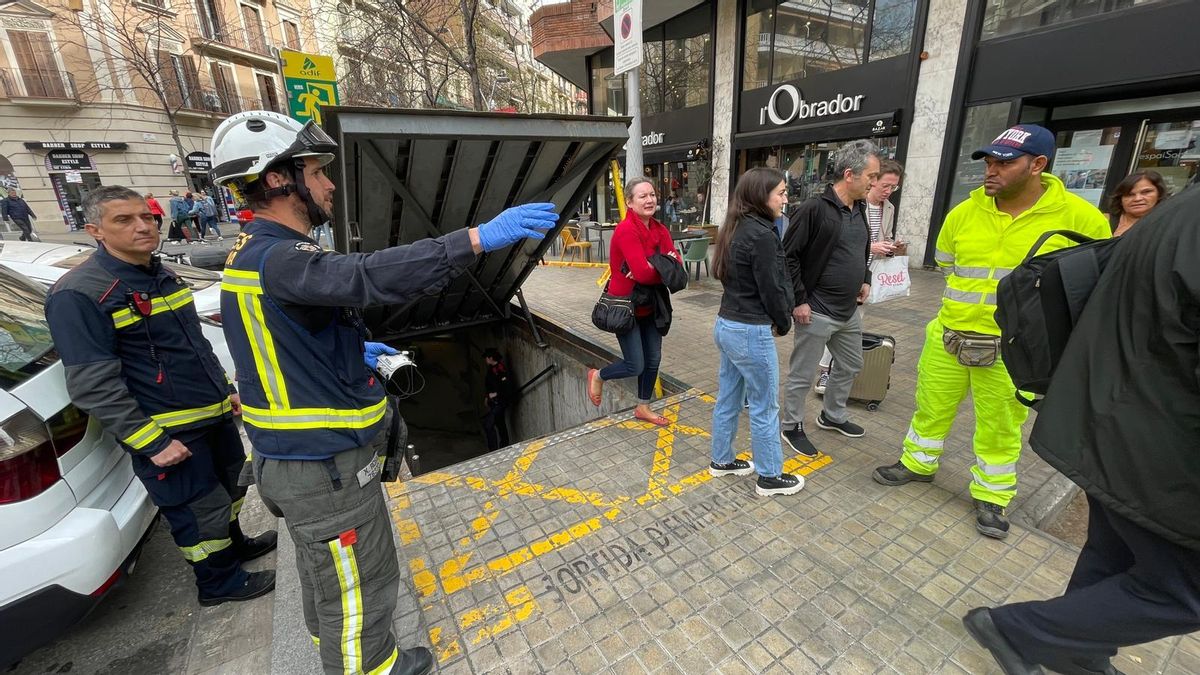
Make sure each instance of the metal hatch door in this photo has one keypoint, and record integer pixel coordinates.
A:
(404, 175)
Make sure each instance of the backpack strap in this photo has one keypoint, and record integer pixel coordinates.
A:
(1079, 273)
(1069, 234)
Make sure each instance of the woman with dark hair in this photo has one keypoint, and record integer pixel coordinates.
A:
(1133, 198)
(756, 305)
(636, 238)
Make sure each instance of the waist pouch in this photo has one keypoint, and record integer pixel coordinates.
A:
(974, 350)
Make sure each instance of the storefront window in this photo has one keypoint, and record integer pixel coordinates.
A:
(892, 28)
(688, 46)
(983, 124)
(792, 39)
(808, 167)
(608, 92)
(817, 36)
(653, 84)
(1173, 150)
(760, 23)
(1007, 17)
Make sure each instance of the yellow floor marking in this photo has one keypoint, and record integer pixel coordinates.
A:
(660, 469)
(520, 606)
(423, 579)
(443, 652)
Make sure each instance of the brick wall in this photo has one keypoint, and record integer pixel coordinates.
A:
(568, 26)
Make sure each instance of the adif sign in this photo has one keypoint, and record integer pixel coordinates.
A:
(789, 98)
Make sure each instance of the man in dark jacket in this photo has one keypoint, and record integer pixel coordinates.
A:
(1121, 419)
(15, 209)
(499, 396)
(827, 244)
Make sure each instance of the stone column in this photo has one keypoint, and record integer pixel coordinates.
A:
(943, 37)
(725, 65)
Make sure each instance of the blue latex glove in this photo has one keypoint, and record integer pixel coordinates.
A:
(373, 350)
(528, 221)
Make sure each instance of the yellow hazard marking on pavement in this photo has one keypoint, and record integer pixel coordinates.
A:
(458, 573)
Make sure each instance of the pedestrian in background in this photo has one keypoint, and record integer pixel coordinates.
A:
(982, 239)
(637, 237)
(756, 306)
(498, 397)
(193, 206)
(1120, 420)
(1134, 197)
(15, 210)
(156, 210)
(208, 213)
(881, 220)
(827, 244)
(136, 361)
(179, 230)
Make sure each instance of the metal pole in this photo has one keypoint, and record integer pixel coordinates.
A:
(633, 149)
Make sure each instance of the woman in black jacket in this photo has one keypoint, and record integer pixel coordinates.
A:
(755, 306)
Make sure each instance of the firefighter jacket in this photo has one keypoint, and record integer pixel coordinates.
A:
(135, 359)
(292, 322)
(980, 244)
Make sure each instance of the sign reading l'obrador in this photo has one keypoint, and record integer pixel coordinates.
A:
(787, 104)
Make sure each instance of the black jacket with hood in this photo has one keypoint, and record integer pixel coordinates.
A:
(1122, 415)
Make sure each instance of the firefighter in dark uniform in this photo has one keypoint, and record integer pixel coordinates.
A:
(499, 397)
(313, 409)
(135, 360)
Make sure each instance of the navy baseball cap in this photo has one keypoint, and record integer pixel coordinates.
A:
(1029, 139)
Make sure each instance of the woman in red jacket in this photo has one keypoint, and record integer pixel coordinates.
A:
(156, 209)
(636, 238)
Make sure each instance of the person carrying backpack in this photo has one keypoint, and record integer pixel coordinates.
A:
(179, 218)
(982, 240)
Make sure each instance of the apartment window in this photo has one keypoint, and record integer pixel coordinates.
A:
(179, 79)
(226, 89)
(291, 35)
(256, 39)
(36, 67)
(212, 25)
(266, 90)
(892, 28)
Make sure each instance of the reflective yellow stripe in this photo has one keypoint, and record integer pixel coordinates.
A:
(204, 549)
(942, 258)
(386, 666)
(236, 509)
(972, 272)
(970, 297)
(262, 346)
(346, 567)
(176, 418)
(316, 640)
(143, 436)
(241, 281)
(314, 418)
(175, 301)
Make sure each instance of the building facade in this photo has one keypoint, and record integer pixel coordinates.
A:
(732, 84)
(95, 93)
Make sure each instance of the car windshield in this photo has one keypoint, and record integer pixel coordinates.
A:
(196, 278)
(25, 344)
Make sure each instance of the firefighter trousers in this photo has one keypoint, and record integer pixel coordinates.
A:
(942, 384)
(345, 554)
(201, 500)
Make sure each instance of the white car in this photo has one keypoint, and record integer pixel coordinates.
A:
(47, 262)
(72, 513)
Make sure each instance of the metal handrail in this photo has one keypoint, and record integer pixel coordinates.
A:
(233, 36)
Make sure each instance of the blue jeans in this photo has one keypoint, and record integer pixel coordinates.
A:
(641, 351)
(749, 371)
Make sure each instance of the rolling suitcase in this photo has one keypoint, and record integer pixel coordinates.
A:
(872, 383)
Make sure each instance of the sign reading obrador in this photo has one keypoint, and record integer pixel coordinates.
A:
(627, 42)
(310, 81)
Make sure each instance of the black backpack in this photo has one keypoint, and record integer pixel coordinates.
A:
(1039, 303)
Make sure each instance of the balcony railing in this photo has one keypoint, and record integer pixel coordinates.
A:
(217, 102)
(233, 37)
(36, 84)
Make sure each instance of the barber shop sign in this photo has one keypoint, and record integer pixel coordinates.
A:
(787, 105)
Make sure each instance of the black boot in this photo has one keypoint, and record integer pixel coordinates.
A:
(978, 623)
(257, 583)
(257, 547)
(898, 474)
(415, 661)
(990, 520)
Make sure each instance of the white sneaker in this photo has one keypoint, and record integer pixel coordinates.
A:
(821, 382)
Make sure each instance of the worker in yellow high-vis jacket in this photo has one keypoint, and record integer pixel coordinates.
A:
(982, 240)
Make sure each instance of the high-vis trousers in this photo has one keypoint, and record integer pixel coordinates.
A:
(349, 575)
(942, 383)
(200, 498)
